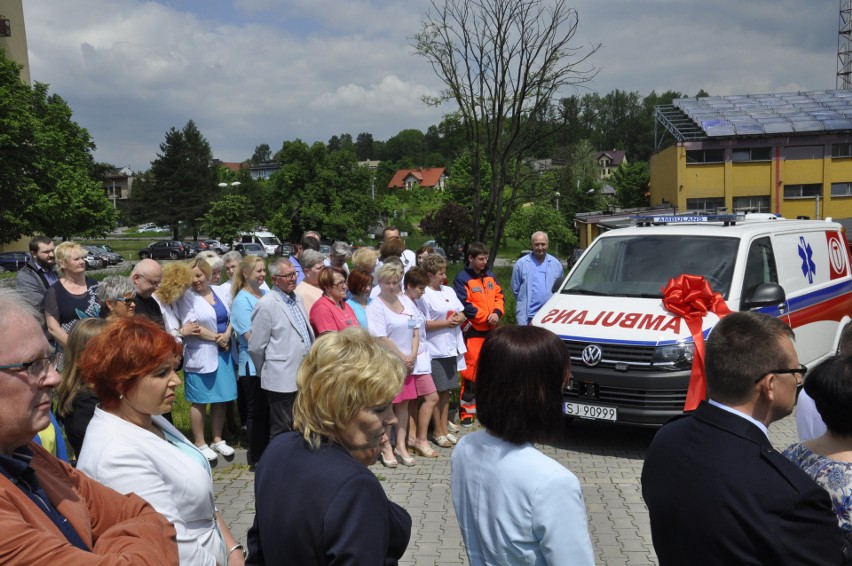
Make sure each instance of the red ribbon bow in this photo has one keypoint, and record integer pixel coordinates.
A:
(691, 298)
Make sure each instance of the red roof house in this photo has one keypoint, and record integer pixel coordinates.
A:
(426, 177)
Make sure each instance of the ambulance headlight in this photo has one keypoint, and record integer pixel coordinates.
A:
(674, 357)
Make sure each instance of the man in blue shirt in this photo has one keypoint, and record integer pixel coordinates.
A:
(533, 278)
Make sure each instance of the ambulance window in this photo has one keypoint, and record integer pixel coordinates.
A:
(760, 266)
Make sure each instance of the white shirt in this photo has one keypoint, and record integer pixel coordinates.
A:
(437, 305)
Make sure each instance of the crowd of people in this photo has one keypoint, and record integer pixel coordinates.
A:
(349, 360)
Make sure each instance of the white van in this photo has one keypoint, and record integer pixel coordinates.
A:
(631, 358)
(268, 240)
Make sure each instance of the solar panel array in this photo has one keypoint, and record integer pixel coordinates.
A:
(757, 114)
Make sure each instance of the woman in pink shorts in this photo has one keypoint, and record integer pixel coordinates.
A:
(396, 320)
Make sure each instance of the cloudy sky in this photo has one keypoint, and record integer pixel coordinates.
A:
(264, 71)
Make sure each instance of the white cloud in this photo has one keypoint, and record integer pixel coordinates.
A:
(265, 71)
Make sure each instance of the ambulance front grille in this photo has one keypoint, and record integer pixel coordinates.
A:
(637, 357)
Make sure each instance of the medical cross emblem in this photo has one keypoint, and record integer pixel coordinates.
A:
(808, 265)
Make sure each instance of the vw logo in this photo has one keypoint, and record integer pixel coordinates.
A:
(592, 355)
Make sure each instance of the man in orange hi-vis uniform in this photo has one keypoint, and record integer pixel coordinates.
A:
(482, 298)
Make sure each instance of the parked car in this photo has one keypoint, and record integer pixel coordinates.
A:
(13, 261)
(94, 261)
(196, 245)
(97, 251)
(251, 249)
(108, 249)
(217, 246)
(164, 249)
(190, 251)
(152, 228)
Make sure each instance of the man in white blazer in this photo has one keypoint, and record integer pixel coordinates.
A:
(280, 338)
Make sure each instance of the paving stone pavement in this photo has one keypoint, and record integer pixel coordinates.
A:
(606, 458)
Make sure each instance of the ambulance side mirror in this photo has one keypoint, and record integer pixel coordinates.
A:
(764, 295)
(557, 284)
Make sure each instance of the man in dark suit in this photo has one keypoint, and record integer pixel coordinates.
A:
(716, 490)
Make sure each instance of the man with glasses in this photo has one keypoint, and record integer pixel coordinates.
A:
(717, 491)
(49, 512)
(146, 277)
(280, 337)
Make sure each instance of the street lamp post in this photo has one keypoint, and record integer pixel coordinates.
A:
(557, 194)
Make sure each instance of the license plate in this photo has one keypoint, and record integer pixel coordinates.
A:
(590, 411)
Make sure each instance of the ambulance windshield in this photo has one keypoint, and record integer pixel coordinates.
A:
(640, 266)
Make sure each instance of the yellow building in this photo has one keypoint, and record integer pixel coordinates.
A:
(13, 35)
(790, 154)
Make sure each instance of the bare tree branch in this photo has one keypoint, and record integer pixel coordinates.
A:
(502, 62)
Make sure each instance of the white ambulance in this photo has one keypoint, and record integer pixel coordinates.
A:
(631, 358)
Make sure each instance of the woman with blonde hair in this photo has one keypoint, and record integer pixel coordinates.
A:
(365, 258)
(208, 369)
(177, 278)
(393, 318)
(75, 402)
(216, 264)
(247, 279)
(316, 501)
(70, 299)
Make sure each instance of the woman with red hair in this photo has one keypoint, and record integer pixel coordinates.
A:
(130, 447)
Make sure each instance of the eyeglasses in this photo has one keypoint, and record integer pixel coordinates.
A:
(286, 275)
(154, 284)
(37, 368)
(340, 284)
(126, 300)
(799, 371)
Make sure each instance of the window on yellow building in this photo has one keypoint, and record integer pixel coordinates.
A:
(705, 156)
(751, 203)
(803, 191)
(740, 155)
(841, 189)
(705, 204)
(841, 150)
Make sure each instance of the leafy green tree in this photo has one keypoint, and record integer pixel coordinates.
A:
(321, 190)
(46, 183)
(408, 148)
(228, 217)
(450, 224)
(631, 184)
(183, 180)
(528, 219)
(261, 154)
(364, 146)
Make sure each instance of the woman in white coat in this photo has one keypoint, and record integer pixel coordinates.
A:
(130, 447)
(207, 365)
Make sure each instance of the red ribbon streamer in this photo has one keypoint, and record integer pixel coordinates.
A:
(691, 298)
